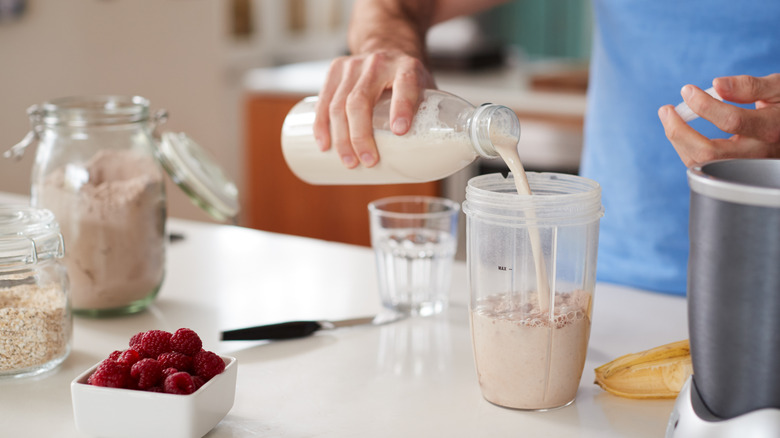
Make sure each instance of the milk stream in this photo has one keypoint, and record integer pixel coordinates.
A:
(507, 149)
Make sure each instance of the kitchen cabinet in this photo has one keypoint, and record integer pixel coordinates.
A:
(274, 199)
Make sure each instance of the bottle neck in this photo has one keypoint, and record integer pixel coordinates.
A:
(492, 125)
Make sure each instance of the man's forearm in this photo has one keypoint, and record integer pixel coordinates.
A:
(402, 24)
(391, 25)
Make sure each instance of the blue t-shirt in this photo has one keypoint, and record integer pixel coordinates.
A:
(643, 53)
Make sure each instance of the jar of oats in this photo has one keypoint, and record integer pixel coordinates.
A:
(100, 168)
(35, 318)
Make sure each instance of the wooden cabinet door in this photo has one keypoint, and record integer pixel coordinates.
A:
(274, 199)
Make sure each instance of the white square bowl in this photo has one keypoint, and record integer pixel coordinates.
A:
(114, 412)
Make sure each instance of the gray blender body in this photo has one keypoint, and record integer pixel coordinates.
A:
(734, 293)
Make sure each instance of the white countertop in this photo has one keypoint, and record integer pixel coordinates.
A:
(411, 378)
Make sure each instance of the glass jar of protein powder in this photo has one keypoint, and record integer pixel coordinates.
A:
(99, 169)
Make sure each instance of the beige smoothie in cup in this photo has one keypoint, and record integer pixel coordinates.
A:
(524, 358)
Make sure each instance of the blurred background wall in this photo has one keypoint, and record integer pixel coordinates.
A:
(190, 57)
(544, 28)
(187, 56)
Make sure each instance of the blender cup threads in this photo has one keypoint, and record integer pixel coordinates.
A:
(526, 357)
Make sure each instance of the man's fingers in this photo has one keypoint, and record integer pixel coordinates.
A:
(361, 128)
(409, 83)
(691, 146)
(749, 89)
(372, 83)
(338, 113)
(321, 126)
(758, 124)
(344, 113)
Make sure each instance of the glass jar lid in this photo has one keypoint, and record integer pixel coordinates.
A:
(198, 175)
(28, 235)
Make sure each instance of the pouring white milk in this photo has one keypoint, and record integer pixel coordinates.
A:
(528, 355)
(507, 149)
(447, 134)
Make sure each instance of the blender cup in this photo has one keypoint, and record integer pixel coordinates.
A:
(733, 284)
(733, 302)
(532, 272)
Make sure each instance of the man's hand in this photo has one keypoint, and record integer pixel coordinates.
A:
(353, 86)
(756, 132)
(387, 42)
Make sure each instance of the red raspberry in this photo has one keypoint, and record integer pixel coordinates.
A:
(186, 341)
(208, 364)
(106, 363)
(179, 383)
(155, 343)
(198, 381)
(128, 357)
(136, 339)
(110, 374)
(168, 371)
(115, 355)
(175, 360)
(147, 372)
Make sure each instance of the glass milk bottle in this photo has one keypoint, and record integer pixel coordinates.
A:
(447, 134)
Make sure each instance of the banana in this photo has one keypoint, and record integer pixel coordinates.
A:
(659, 372)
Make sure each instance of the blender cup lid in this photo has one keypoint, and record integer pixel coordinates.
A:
(198, 175)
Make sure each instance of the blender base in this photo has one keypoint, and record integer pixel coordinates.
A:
(686, 423)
